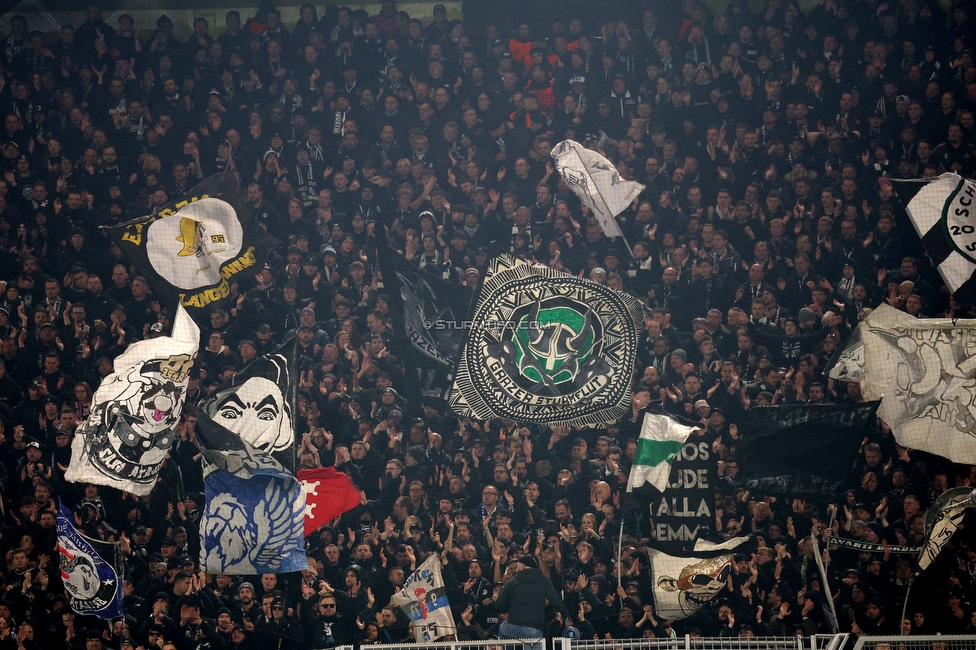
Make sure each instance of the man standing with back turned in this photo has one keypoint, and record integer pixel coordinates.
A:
(524, 598)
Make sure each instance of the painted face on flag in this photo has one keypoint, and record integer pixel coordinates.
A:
(257, 412)
(82, 580)
(79, 575)
(146, 407)
(698, 583)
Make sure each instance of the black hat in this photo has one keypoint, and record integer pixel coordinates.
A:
(440, 8)
(163, 20)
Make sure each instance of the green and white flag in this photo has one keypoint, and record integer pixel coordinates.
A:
(661, 439)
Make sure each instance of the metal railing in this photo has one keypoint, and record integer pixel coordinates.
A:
(817, 642)
(919, 642)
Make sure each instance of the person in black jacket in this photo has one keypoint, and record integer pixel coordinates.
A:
(524, 598)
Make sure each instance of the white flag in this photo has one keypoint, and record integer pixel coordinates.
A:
(661, 439)
(135, 411)
(926, 371)
(424, 601)
(684, 583)
(596, 182)
(944, 214)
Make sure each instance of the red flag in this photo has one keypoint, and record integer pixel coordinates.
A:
(328, 494)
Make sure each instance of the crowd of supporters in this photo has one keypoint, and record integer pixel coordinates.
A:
(772, 146)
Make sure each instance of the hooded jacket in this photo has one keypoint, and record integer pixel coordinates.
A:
(524, 599)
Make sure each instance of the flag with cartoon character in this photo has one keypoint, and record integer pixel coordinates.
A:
(423, 599)
(91, 570)
(258, 404)
(135, 411)
(194, 247)
(685, 582)
(924, 369)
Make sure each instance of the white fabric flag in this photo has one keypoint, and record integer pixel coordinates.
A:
(135, 411)
(944, 214)
(661, 439)
(596, 182)
(684, 583)
(423, 599)
(926, 371)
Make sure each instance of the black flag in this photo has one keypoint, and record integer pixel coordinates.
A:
(194, 247)
(803, 449)
(429, 315)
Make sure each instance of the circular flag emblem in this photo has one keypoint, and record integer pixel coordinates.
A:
(188, 248)
(547, 348)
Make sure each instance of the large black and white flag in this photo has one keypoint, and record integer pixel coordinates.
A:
(546, 347)
(926, 371)
(134, 413)
(944, 214)
(942, 520)
(92, 570)
(683, 583)
(803, 449)
(596, 182)
(258, 404)
(194, 247)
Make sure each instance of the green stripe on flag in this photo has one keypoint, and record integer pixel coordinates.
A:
(654, 452)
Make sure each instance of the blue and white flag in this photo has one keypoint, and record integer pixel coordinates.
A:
(423, 600)
(91, 570)
(254, 518)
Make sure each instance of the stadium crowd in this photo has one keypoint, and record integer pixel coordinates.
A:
(771, 145)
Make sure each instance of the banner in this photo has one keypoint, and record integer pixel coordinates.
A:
(92, 570)
(686, 509)
(423, 599)
(328, 493)
(941, 521)
(683, 583)
(661, 438)
(847, 364)
(926, 371)
(944, 215)
(195, 246)
(254, 518)
(596, 182)
(803, 449)
(858, 545)
(258, 404)
(134, 412)
(428, 316)
(546, 347)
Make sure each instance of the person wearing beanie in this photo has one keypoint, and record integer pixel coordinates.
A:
(248, 609)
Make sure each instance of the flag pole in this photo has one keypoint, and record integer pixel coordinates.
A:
(904, 606)
(620, 550)
(826, 585)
